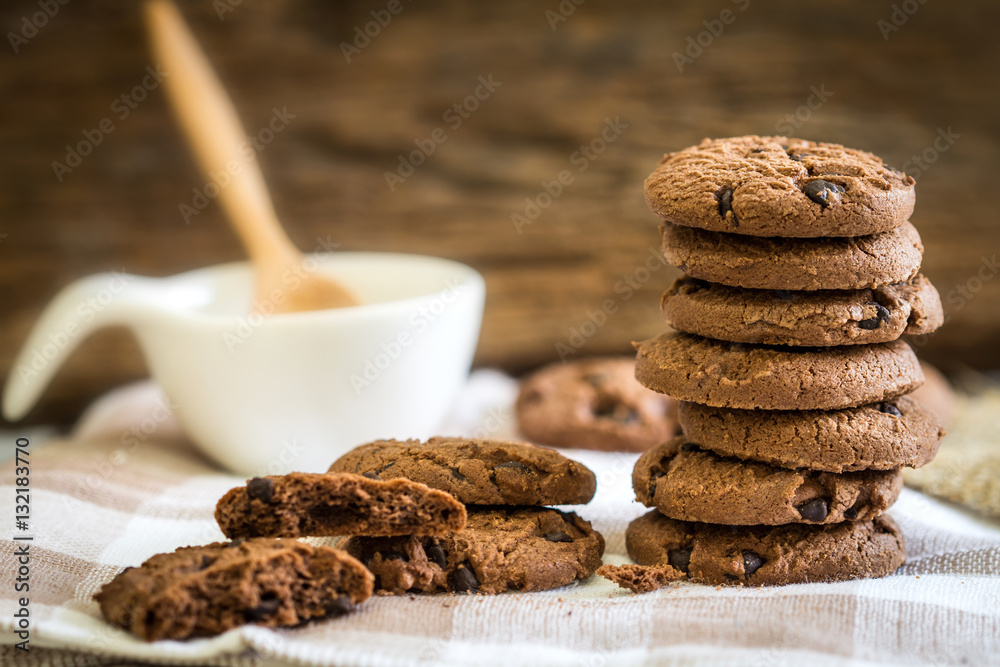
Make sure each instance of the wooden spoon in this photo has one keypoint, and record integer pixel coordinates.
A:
(220, 144)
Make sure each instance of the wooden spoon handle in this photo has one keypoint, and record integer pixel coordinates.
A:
(215, 134)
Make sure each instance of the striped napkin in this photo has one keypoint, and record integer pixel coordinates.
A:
(127, 485)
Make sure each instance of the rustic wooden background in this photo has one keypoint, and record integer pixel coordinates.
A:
(119, 208)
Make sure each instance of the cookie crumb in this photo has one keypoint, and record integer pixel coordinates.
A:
(641, 578)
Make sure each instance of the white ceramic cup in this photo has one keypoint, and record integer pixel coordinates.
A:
(265, 394)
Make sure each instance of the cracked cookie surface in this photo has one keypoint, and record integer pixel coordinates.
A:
(500, 549)
(328, 504)
(594, 404)
(477, 472)
(768, 555)
(688, 483)
(816, 318)
(850, 263)
(777, 186)
(750, 377)
(899, 432)
(205, 590)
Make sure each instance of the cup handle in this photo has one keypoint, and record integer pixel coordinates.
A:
(97, 301)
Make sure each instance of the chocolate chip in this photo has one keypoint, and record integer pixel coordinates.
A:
(260, 488)
(726, 205)
(338, 606)
(437, 555)
(457, 475)
(558, 536)
(653, 476)
(822, 192)
(268, 604)
(371, 475)
(814, 510)
(852, 512)
(756, 150)
(206, 561)
(890, 409)
(882, 314)
(679, 558)
(690, 447)
(752, 562)
(465, 580)
(798, 156)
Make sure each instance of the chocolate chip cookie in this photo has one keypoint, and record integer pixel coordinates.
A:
(817, 318)
(688, 483)
(477, 472)
(500, 549)
(858, 262)
(768, 555)
(775, 186)
(594, 404)
(749, 377)
(327, 504)
(899, 432)
(206, 590)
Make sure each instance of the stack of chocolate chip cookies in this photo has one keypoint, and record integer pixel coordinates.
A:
(802, 274)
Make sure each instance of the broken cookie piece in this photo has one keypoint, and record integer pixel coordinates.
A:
(329, 504)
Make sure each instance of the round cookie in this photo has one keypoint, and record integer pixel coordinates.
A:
(881, 436)
(688, 483)
(752, 377)
(795, 264)
(523, 549)
(477, 472)
(817, 318)
(594, 404)
(768, 555)
(205, 590)
(775, 186)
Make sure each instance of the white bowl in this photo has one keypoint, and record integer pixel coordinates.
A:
(267, 394)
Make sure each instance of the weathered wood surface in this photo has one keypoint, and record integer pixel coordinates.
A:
(558, 87)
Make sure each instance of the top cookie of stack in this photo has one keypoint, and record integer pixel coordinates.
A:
(802, 274)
